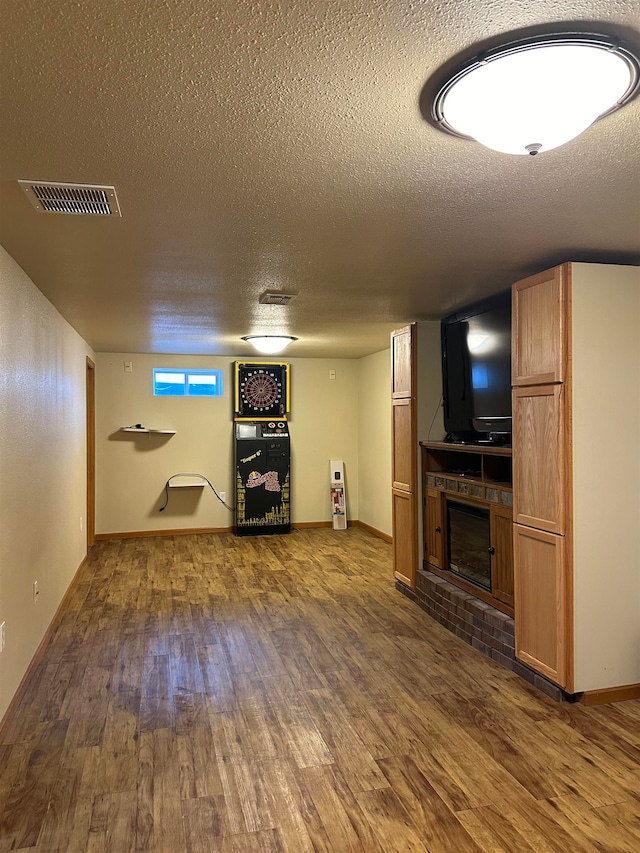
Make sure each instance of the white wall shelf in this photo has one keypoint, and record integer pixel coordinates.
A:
(150, 431)
(186, 483)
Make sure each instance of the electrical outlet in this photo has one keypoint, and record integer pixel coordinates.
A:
(2, 636)
(223, 496)
(81, 524)
(36, 592)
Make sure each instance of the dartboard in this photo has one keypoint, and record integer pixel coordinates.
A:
(261, 390)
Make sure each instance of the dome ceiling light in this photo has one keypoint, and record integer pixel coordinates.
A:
(269, 344)
(536, 94)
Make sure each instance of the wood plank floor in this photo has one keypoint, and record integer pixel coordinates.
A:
(208, 693)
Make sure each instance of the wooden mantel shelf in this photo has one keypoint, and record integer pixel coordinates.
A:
(485, 449)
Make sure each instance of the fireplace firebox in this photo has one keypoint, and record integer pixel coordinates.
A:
(469, 542)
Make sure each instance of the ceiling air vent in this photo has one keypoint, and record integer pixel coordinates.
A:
(276, 297)
(86, 199)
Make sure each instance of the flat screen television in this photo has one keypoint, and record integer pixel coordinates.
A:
(476, 372)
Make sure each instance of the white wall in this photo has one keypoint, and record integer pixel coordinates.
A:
(374, 440)
(132, 469)
(606, 463)
(42, 466)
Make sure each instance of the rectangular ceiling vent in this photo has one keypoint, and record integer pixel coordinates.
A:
(83, 199)
(275, 297)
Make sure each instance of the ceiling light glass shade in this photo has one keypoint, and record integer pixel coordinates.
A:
(536, 95)
(269, 344)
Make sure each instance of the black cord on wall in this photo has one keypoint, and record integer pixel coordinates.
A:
(434, 417)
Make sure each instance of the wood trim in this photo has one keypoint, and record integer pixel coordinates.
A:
(484, 449)
(188, 531)
(184, 531)
(610, 694)
(374, 531)
(38, 655)
(90, 406)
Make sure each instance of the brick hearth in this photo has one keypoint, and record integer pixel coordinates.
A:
(488, 630)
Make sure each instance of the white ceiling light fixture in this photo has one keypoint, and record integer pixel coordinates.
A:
(269, 344)
(539, 93)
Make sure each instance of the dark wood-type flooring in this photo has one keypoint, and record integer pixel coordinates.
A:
(208, 693)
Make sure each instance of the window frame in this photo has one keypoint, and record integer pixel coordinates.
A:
(187, 373)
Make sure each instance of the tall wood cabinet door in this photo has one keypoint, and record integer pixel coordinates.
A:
(403, 443)
(539, 457)
(501, 521)
(540, 327)
(541, 613)
(403, 362)
(405, 548)
(434, 529)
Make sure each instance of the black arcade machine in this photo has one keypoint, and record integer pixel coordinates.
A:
(262, 448)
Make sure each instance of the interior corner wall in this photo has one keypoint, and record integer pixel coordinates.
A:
(133, 468)
(374, 440)
(43, 476)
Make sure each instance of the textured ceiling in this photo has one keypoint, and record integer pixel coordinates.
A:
(280, 145)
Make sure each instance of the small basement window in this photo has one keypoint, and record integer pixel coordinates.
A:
(176, 382)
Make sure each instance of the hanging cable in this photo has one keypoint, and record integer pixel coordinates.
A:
(434, 417)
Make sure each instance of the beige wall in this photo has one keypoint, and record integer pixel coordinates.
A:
(132, 469)
(42, 466)
(429, 406)
(606, 489)
(374, 440)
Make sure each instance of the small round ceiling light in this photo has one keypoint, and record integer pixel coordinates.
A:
(269, 344)
(536, 94)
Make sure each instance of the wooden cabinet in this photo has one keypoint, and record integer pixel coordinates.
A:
(403, 368)
(458, 476)
(434, 528)
(576, 463)
(541, 602)
(541, 472)
(501, 520)
(403, 442)
(416, 394)
(539, 467)
(540, 327)
(403, 454)
(404, 537)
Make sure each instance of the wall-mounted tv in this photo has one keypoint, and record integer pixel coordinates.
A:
(476, 371)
